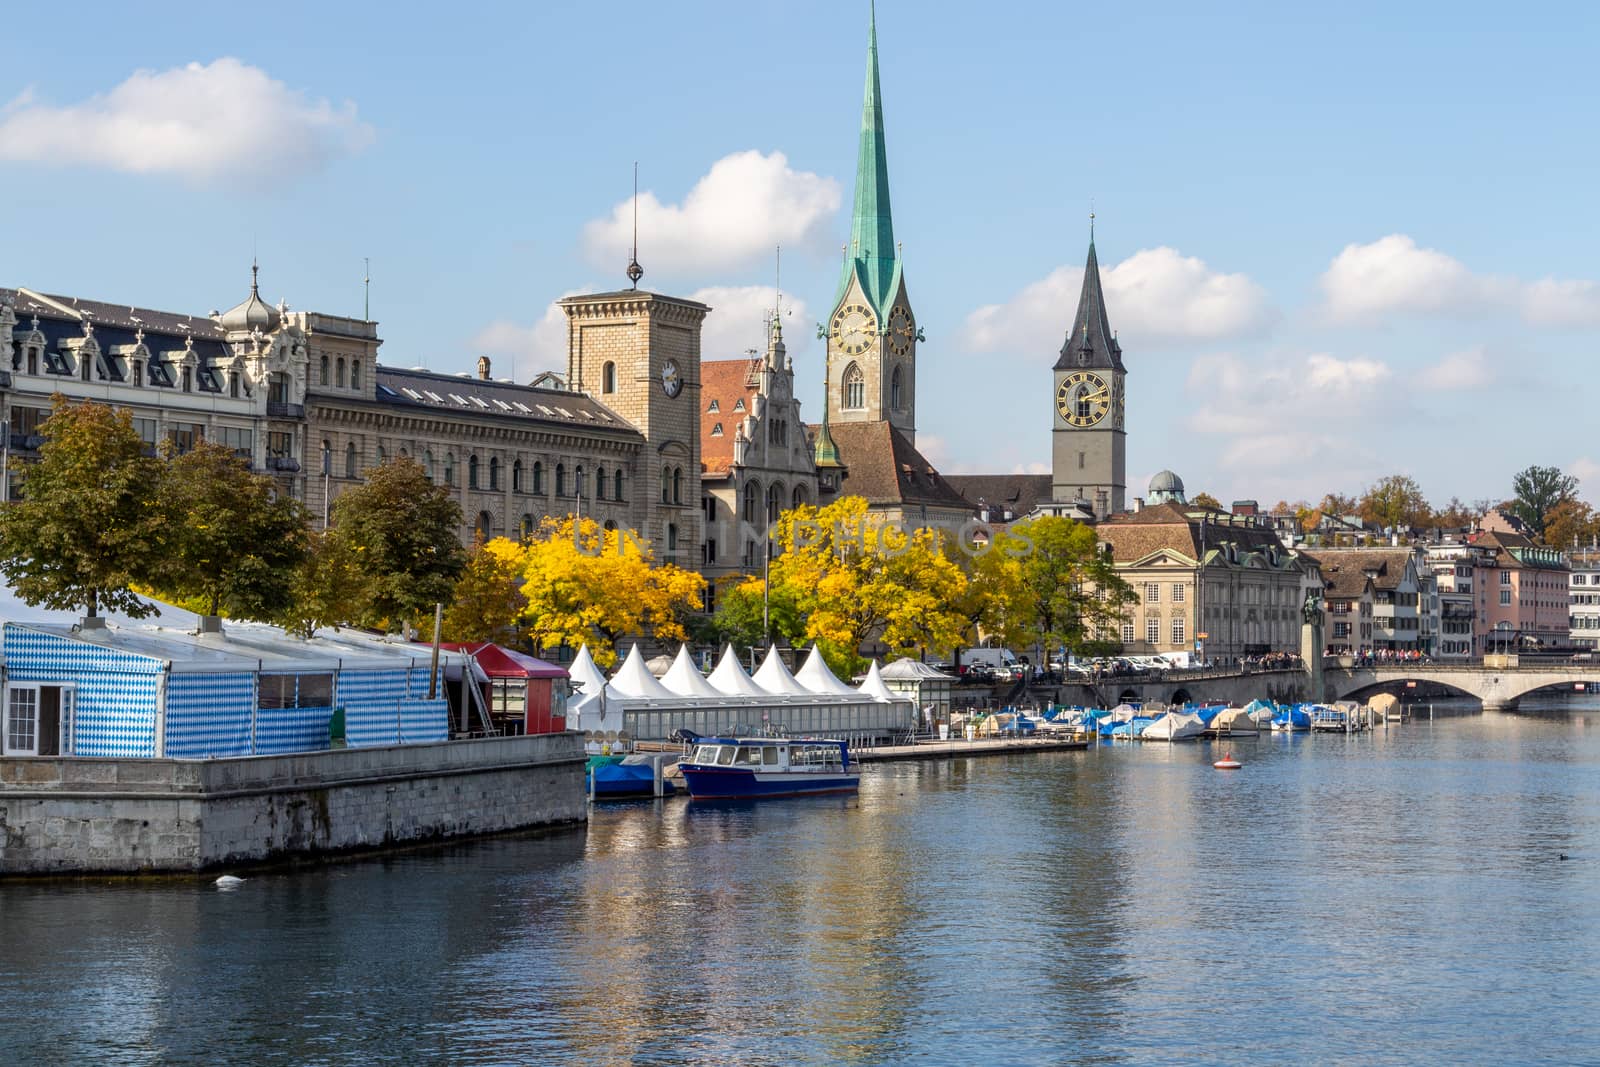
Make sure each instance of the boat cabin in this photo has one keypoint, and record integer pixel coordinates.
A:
(772, 754)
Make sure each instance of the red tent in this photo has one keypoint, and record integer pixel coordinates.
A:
(524, 694)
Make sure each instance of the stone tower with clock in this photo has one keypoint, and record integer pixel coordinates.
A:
(872, 335)
(1089, 454)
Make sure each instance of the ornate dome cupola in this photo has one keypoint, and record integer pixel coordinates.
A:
(1166, 488)
(253, 315)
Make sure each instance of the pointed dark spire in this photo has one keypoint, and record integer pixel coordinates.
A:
(871, 251)
(1091, 341)
(635, 272)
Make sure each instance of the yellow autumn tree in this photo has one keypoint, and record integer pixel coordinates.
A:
(585, 585)
(855, 578)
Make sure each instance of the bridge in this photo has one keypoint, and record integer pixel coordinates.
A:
(1497, 687)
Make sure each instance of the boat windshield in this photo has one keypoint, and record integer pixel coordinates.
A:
(725, 755)
(748, 754)
(705, 754)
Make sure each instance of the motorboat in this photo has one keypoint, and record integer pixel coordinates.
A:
(738, 768)
(1291, 720)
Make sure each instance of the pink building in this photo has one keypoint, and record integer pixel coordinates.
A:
(1522, 593)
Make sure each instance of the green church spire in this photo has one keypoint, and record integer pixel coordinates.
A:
(871, 254)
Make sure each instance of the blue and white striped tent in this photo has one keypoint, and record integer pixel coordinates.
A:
(133, 690)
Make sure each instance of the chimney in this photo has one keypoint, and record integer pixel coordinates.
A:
(483, 367)
(1138, 503)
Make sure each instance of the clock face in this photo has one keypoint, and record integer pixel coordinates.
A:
(1083, 398)
(853, 329)
(901, 331)
(671, 382)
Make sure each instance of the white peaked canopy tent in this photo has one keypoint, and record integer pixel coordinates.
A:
(817, 678)
(872, 686)
(685, 680)
(634, 680)
(584, 670)
(775, 678)
(729, 678)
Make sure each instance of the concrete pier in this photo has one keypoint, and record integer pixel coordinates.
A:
(88, 816)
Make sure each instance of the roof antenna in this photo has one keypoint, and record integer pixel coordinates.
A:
(635, 272)
(366, 294)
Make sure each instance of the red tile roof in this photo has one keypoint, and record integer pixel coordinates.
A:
(725, 381)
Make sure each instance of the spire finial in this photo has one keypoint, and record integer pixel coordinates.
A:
(366, 291)
(777, 289)
(255, 269)
(1091, 221)
(635, 272)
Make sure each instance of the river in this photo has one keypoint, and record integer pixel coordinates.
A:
(1398, 897)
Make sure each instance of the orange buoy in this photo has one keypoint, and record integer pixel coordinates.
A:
(1227, 763)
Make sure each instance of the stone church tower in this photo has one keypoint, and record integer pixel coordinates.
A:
(872, 335)
(1089, 454)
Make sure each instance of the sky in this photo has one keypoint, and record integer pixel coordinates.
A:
(1338, 242)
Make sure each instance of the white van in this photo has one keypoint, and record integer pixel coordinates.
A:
(995, 660)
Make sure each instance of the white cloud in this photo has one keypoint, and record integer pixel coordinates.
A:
(1465, 370)
(1587, 471)
(1156, 295)
(526, 350)
(744, 207)
(206, 123)
(738, 321)
(1236, 397)
(1393, 276)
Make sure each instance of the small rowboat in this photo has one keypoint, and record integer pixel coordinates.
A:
(1227, 763)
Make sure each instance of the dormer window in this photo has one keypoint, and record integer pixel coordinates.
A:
(716, 431)
(714, 408)
(738, 405)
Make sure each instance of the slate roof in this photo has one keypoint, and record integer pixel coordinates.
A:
(425, 391)
(1091, 329)
(119, 316)
(1018, 492)
(886, 468)
(725, 382)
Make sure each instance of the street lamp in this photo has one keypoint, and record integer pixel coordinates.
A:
(5, 461)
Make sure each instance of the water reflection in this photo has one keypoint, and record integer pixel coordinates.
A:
(1376, 898)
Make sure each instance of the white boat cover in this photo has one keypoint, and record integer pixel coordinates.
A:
(817, 678)
(1123, 712)
(729, 678)
(1174, 726)
(659, 665)
(872, 686)
(1235, 721)
(685, 679)
(633, 679)
(775, 678)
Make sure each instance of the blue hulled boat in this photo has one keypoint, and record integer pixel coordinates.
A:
(739, 768)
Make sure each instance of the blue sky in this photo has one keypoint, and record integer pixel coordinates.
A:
(1339, 242)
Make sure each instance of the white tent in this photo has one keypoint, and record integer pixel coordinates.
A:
(585, 671)
(729, 678)
(872, 686)
(775, 678)
(633, 679)
(817, 678)
(685, 680)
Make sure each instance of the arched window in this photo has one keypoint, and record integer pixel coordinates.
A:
(525, 527)
(616, 485)
(472, 471)
(355, 374)
(516, 476)
(449, 468)
(538, 478)
(350, 460)
(494, 472)
(855, 388)
(752, 502)
(427, 463)
(666, 485)
(404, 453)
(894, 389)
(677, 485)
(339, 373)
(799, 496)
(323, 380)
(483, 529)
(774, 502)
(608, 377)
(383, 455)
(600, 483)
(561, 479)
(611, 525)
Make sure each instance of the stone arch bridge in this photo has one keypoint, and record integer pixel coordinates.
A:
(1496, 687)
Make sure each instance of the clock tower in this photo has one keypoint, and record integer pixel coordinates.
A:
(1089, 453)
(871, 334)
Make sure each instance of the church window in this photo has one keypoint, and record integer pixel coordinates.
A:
(608, 377)
(616, 486)
(350, 460)
(752, 502)
(472, 472)
(799, 497)
(323, 379)
(494, 472)
(894, 390)
(774, 502)
(714, 408)
(339, 373)
(855, 388)
(716, 431)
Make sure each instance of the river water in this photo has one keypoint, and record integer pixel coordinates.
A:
(1397, 897)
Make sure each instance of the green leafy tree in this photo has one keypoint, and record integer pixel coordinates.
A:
(227, 541)
(1393, 502)
(87, 526)
(488, 604)
(1538, 490)
(402, 532)
(1070, 591)
(738, 618)
(326, 589)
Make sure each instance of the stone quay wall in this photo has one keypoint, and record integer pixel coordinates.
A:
(64, 815)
